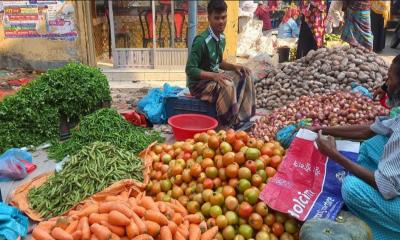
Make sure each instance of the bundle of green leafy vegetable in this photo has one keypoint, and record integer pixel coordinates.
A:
(105, 125)
(94, 168)
(32, 115)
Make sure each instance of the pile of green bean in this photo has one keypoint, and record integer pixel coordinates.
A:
(105, 125)
(91, 170)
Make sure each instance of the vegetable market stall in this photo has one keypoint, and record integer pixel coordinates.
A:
(203, 188)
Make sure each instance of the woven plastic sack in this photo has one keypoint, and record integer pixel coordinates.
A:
(13, 223)
(19, 197)
(152, 105)
(11, 166)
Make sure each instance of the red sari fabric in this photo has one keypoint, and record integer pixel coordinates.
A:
(315, 12)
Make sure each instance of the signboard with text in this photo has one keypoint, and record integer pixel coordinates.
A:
(39, 19)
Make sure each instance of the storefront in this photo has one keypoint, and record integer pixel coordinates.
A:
(144, 34)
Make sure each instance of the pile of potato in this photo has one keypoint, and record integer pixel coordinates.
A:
(321, 71)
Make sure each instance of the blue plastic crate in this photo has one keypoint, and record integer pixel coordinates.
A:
(182, 105)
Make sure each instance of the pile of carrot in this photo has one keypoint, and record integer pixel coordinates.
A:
(123, 217)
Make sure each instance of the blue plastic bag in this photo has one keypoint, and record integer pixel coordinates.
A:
(12, 223)
(287, 134)
(361, 89)
(11, 166)
(152, 105)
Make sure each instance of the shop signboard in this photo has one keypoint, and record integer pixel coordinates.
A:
(39, 19)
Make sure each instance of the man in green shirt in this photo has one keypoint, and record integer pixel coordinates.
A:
(232, 92)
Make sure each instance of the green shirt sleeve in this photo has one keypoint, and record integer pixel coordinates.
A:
(194, 60)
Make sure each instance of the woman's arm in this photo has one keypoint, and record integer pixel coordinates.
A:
(327, 146)
(355, 132)
(357, 170)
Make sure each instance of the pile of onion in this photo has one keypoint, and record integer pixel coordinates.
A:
(339, 108)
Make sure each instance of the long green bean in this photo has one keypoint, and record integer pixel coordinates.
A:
(105, 125)
(89, 171)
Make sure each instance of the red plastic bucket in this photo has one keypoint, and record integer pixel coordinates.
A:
(185, 126)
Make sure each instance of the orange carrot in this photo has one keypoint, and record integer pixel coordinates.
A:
(132, 201)
(162, 206)
(47, 226)
(77, 235)
(177, 218)
(114, 237)
(132, 230)
(123, 209)
(193, 218)
(178, 208)
(72, 227)
(143, 237)
(153, 228)
(101, 232)
(39, 233)
(194, 232)
(59, 234)
(120, 231)
(117, 206)
(210, 233)
(165, 233)
(93, 237)
(84, 227)
(97, 218)
(140, 224)
(117, 218)
(93, 208)
(148, 203)
(156, 217)
(139, 210)
(173, 227)
(179, 236)
(72, 213)
(182, 229)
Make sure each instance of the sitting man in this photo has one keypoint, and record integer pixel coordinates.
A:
(233, 94)
(372, 190)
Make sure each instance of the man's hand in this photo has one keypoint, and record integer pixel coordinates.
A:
(242, 70)
(327, 145)
(378, 93)
(222, 79)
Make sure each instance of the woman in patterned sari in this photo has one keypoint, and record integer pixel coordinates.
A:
(372, 190)
(357, 24)
(312, 30)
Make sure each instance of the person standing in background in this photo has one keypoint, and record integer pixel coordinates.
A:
(357, 24)
(288, 27)
(380, 14)
(262, 13)
(312, 30)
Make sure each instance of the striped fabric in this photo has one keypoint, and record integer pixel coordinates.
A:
(387, 176)
(367, 203)
(357, 28)
(235, 103)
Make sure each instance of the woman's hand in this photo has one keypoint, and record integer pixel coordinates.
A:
(314, 128)
(239, 69)
(378, 93)
(327, 145)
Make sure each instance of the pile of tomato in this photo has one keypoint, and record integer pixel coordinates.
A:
(219, 175)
